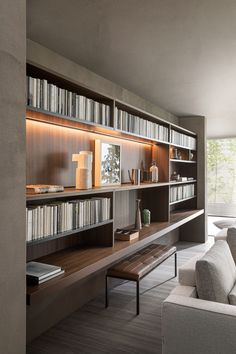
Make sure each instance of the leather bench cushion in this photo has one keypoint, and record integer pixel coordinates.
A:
(142, 262)
(216, 273)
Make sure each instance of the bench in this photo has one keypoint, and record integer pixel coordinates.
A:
(138, 265)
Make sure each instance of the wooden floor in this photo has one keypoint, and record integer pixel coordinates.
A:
(116, 330)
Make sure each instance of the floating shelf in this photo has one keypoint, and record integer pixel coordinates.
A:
(172, 183)
(72, 192)
(183, 161)
(182, 200)
(80, 262)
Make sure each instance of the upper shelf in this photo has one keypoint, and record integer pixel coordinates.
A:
(72, 192)
(51, 80)
(183, 161)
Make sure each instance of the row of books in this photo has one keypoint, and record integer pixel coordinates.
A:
(57, 217)
(49, 97)
(183, 140)
(136, 125)
(181, 192)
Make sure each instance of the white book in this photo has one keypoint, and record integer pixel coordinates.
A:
(82, 100)
(103, 113)
(38, 91)
(96, 113)
(29, 224)
(88, 109)
(108, 114)
(69, 103)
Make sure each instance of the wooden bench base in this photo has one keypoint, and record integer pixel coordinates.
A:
(138, 265)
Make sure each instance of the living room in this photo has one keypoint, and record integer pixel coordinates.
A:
(118, 177)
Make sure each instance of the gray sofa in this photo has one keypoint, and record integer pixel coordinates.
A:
(205, 325)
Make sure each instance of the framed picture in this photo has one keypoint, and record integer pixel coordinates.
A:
(107, 163)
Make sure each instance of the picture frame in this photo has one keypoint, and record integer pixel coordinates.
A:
(107, 163)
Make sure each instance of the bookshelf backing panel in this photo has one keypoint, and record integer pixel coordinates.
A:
(125, 208)
(50, 149)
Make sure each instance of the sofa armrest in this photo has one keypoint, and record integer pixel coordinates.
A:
(183, 290)
(195, 326)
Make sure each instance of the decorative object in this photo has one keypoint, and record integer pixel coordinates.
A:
(84, 169)
(126, 234)
(179, 156)
(107, 163)
(146, 217)
(138, 221)
(154, 172)
(135, 176)
(175, 176)
(175, 154)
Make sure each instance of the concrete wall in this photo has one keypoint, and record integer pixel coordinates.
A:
(57, 64)
(12, 176)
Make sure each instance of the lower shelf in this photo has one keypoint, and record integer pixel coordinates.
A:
(79, 263)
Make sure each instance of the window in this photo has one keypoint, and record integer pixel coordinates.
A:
(222, 177)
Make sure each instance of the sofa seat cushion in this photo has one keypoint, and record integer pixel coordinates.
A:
(232, 296)
(187, 271)
(216, 273)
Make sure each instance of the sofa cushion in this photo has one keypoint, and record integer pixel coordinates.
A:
(216, 273)
(231, 239)
(187, 271)
(225, 223)
(232, 296)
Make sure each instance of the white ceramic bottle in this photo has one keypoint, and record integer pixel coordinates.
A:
(154, 172)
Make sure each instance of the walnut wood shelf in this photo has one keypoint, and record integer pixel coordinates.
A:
(183, 161)
(183, 200)
(69, 232)
(72, 192)
(80, 263)
(182, 147)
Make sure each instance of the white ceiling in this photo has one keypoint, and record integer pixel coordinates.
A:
(179, 54)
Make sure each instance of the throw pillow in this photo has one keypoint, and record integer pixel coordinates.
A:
(231, 239)
(216, 273)
(232, 296)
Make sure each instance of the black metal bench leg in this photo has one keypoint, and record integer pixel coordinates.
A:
(106, 286)
(137, 297)
(175, 264)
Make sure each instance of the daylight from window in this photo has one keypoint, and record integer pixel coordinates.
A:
(221, 177)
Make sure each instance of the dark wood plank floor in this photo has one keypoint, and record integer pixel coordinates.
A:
(116, 330)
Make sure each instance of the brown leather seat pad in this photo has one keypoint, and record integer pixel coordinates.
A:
(142, 262)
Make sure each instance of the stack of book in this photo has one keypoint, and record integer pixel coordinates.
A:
(133, 124)
(46, 96)
(43, 188)
(183, 140)
(57, 217)
(181, 192)
(38, 273)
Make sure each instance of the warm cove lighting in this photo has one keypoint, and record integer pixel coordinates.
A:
(33, 123)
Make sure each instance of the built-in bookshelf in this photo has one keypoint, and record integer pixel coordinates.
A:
(62, 118)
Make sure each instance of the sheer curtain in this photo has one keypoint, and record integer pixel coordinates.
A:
(222, 177)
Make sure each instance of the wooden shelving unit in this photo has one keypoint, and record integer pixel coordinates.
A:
(87, 251)
(80, 263)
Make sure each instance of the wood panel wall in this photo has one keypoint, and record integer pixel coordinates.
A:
(50, 149)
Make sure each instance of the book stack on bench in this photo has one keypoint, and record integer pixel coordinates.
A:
(38, 273)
